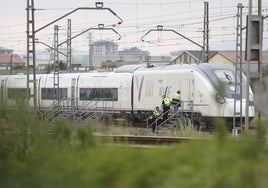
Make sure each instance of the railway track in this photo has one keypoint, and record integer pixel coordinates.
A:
(146, 140)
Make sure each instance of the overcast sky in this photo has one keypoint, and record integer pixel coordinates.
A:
(139, 17)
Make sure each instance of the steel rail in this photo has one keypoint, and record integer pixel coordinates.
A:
(144, 140)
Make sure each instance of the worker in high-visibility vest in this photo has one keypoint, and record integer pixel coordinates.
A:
(176, 102)
(156, 118)
(166, 107)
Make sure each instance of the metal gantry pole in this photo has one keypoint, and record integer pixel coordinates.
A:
(238, 69)
(261, 41)
(249, 42)
(160, 28)
(206, 33)
(56, 91)
(69, 46)
(31, 81)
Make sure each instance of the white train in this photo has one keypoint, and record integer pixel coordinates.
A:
(136, 90)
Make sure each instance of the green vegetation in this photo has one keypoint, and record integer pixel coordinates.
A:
(33, 154)
(265, 71)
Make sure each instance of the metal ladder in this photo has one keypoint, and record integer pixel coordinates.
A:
(182, 118)
(61, 110)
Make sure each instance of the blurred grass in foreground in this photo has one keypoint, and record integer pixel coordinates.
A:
(69, 156)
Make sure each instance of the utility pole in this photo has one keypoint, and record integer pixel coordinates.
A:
(261, 39)
(253, 48)
(205, 34)
(260, 55)
(248, 56)
(31, 68)
(238, 70)
(69, 46)
(56, 87)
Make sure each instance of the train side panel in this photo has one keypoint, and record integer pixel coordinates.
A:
(16, 88)
(109, 90)
(198, 95)
(46, 88)
(150, 86)
(203, 96)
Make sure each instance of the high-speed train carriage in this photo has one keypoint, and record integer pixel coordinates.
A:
(109, 87)
(207, 90)
(89, 90)
(15, 86)
(113, 90)
(12, 88)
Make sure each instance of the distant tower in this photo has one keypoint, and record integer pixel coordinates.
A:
(90, 61)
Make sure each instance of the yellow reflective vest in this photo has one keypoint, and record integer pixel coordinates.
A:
(176, 96)
(157, 113)
(166, 102)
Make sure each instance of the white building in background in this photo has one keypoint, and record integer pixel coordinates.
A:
(105, 48)
(106, 54)
(5, 51)
(133, 54)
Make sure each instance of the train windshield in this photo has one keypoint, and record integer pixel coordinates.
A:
(227, 77)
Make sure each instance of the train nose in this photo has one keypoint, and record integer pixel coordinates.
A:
(229, 109)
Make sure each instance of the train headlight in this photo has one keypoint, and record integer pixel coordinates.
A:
(220, 99)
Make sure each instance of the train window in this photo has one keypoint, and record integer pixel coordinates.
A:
(47, 93)
(107, 94)
(16, 93)
(226, 76)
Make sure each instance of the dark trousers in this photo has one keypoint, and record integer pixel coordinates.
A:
(155, 123)
(165, 112)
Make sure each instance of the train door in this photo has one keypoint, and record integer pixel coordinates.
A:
(124, 93)
(192, 89)
(39, 92)
(187, 92)
(73, 93)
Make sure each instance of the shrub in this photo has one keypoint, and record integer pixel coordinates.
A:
(33, 154)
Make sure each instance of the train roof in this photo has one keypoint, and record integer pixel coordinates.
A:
(207, 70)
(133, 68)
(202, 67)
